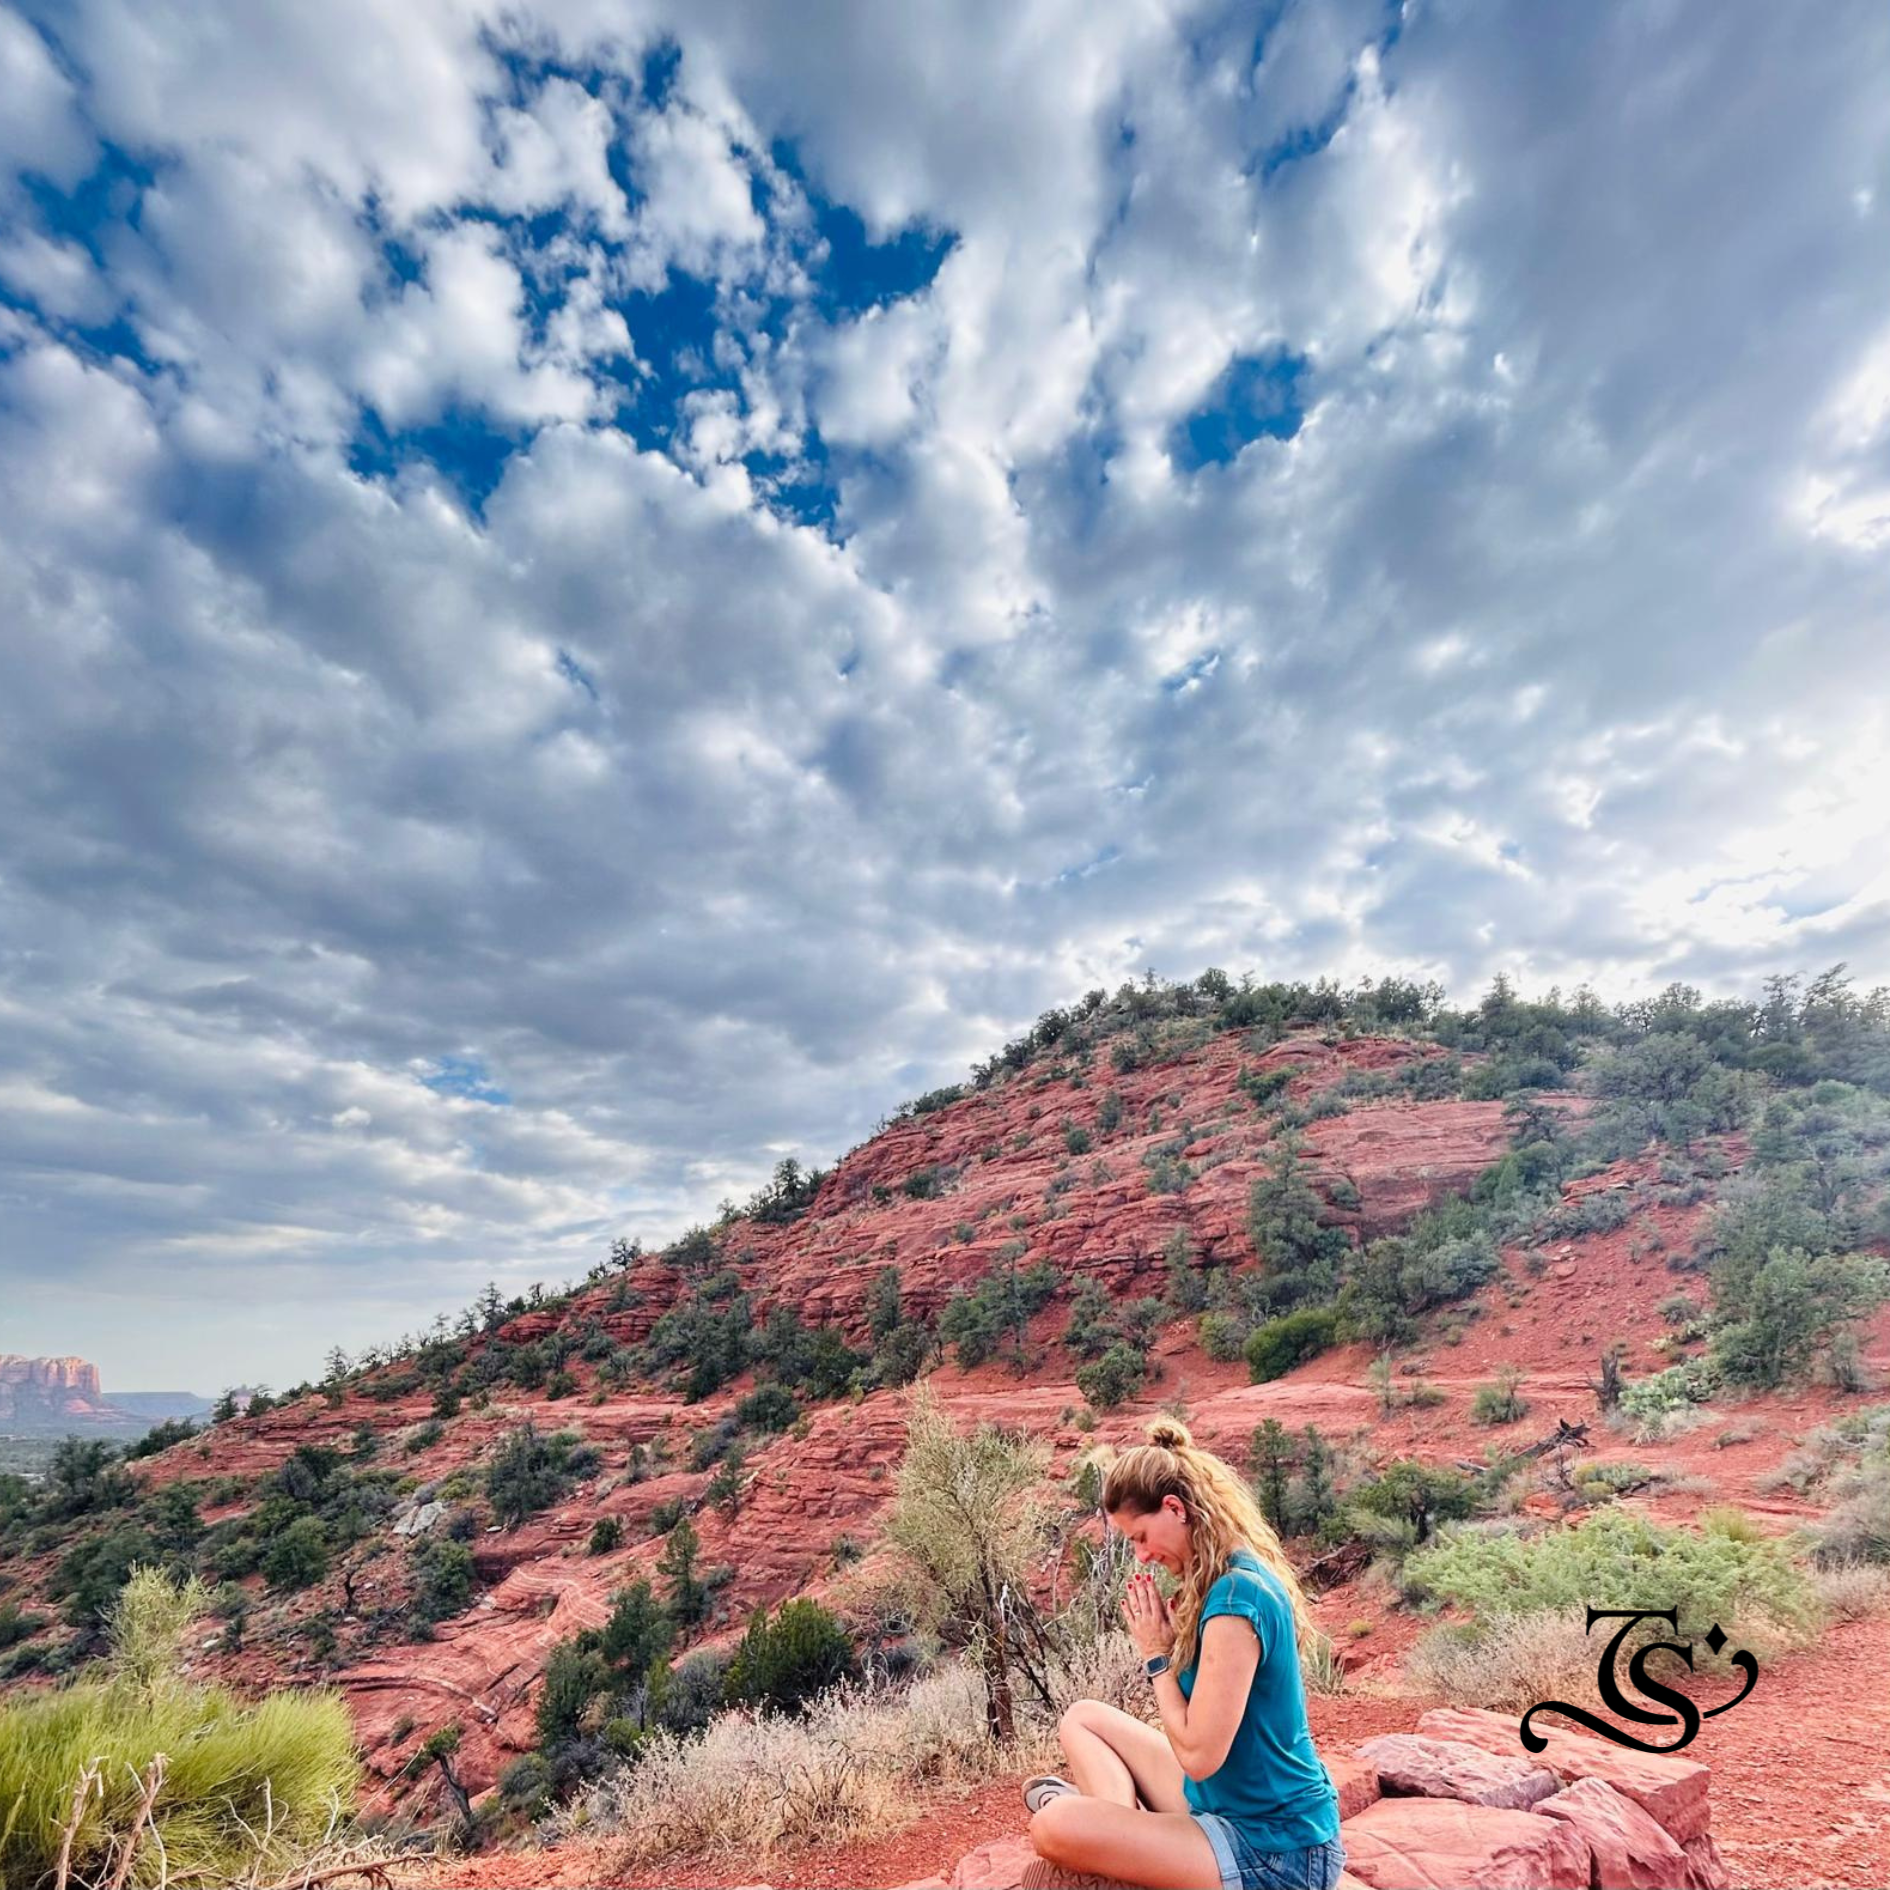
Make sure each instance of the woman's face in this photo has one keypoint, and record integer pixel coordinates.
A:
(1161, 1535)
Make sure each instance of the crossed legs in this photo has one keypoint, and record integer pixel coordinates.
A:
(1119, 1766)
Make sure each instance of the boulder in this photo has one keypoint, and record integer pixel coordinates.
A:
(1669, 1789)
(1632, 1851)
(1355, 1782)
(1445, 1844)
(1705, 1869)
(1410, 1765)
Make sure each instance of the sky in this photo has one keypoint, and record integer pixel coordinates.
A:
(595, 595)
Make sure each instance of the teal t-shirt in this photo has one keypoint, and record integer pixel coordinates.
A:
(1272, 1786)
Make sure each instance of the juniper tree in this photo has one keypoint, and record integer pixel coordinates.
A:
(1271, 1458)
(1317, 1498)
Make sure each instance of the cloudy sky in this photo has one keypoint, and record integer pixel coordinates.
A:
(592, 594)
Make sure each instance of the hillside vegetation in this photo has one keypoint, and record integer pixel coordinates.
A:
(568, 1535)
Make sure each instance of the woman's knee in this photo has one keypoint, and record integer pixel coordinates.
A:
(1081, 1716)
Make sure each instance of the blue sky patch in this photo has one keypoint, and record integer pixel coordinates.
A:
(1258, 397)
(467, 1077)
(468, 451)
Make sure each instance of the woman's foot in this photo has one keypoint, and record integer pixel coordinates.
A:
(1038, 1792)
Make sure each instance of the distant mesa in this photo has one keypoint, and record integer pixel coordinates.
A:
(52, 1396)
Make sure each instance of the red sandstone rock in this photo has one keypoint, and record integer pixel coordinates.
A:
(1670, 1789)
(1445, 1844)
(1013, 1864)
(38, 1393)
(1355, 1782)
(1413, 1766)
(1705, 1870)
(1631, 1850)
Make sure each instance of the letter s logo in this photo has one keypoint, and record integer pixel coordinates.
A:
(1685, 1713)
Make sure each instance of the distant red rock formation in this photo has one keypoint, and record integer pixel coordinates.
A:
(45, 1393)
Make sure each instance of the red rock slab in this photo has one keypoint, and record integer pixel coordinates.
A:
(1670, 1789)
(1706, 1870)
(1444, 1844)
(1013, 1864)
(1410, 1765)
(1355, 1781)
(1632, 1851)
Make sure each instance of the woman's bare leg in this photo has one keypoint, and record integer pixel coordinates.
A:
(1114, 1758)
(1163, 1850)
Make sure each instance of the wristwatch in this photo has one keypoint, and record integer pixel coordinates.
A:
(1156, 1666)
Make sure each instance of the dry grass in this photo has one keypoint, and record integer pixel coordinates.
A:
(854, 1767)
(1851, 1590)
(1518, 1660)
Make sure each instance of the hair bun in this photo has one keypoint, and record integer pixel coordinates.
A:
(1170, 1433)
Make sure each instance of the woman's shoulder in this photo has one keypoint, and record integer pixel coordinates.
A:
(1248, 1579)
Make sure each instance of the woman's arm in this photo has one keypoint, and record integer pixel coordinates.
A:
(1200, 1730)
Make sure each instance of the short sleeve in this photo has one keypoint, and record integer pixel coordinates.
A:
(1243, 1594)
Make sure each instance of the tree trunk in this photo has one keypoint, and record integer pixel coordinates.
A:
(467, 1823)
(1000, 1714)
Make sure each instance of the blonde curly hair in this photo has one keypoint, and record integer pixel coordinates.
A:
(1222, 1517)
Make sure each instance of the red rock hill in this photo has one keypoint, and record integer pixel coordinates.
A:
(1001, 1165)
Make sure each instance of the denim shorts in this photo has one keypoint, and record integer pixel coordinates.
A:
(1310, 1867)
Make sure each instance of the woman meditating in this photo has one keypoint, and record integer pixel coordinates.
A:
(1230, 1792)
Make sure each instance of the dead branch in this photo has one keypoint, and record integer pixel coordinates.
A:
(153, 1779)
(62, 1871)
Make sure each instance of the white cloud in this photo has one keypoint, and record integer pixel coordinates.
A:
(1552, 640)
(460, 336)
(41, 130)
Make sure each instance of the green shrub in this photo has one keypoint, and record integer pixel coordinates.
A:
(1692, 1382)
(1499, 1403)
(91, 1574)
(783, 1663)
(977, 1322)
(528, 1473)
(1114, 1378)
(443, 1579)
(1616, 1560)
(16, 1626)
(234, 1772)
(1223, 1336)
(1793, 1305)
(298, 1556)
(161, 1436)
(85, 1478)
(606, 1535)
(1273, 1349)
(769, 1408)
(1093, 1326)
(574, 1676)
(1414, 1498)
